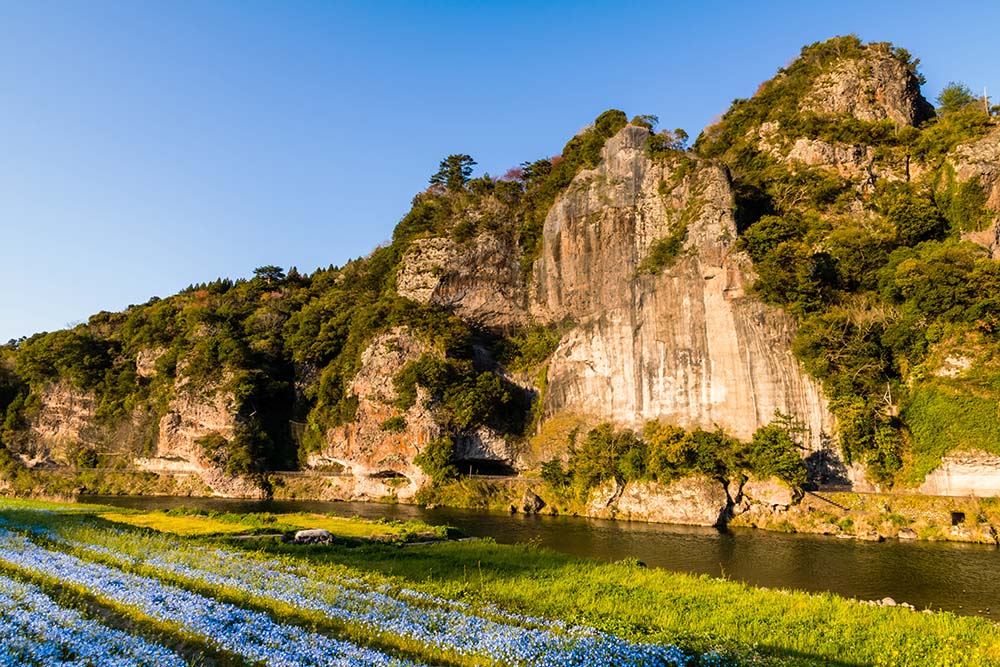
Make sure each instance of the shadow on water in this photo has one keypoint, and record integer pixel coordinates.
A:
(949, 576)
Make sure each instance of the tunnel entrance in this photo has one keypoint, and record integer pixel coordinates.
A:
(489, 467)
(387, 474)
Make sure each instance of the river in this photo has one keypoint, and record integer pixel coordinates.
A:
(937, 575)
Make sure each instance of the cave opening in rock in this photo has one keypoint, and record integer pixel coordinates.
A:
(957, 518)
(490, 467)
(387, 474)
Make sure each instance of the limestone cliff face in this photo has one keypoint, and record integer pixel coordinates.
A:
(693, 501)
(365, 446)
(849, 160)
(479, 281)
(191, 416)
(380, 457)
(194, 410)
(687, 345)
(965, 473)
(875, 87)
(64, 420)
(193, 413)
(980, 160)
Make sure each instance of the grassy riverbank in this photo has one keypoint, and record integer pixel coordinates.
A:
(855, 515)
(876, 516)
(699, 614)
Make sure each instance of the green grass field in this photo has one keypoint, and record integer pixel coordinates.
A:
(745, 625)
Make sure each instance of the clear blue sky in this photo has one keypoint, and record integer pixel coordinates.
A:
(148, 145)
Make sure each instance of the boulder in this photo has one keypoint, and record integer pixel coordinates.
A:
(696, 501)
(771, 492)
(531, 503)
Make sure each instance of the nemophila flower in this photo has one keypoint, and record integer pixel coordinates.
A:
(436, 622)
(34, 630)
(252, 635)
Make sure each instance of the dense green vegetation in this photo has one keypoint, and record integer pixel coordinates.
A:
(874, 289)
(872, 265)
(666, 452)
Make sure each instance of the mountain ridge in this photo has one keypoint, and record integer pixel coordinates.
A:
(789, 264)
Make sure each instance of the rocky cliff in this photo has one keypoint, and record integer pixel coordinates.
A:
(366, 446)
(872, 86)
(776, 267)
(684, 343)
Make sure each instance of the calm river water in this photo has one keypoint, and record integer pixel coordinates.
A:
(964, 578)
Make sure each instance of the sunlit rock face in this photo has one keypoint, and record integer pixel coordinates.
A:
(875, 87)
(694, 501)
(364, 446)
(686, 343)
(965, 473)
(480, 281)
(63, 421)
(979, 161)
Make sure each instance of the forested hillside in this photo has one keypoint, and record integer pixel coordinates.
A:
(853, 223)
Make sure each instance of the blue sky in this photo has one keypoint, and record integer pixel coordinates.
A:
(148, 145)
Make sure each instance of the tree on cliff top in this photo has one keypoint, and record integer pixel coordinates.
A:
(454, 172)
(270, 273)
(954, 97)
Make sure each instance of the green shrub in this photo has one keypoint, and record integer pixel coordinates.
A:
(436, 460)
(664, 251)
(773, 452)
(555, 475)
(395, 424)
(528, 347)
(86, 458)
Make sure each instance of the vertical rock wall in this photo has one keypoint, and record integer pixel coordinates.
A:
(686, 344)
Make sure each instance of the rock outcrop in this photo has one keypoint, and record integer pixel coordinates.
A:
(877, 86)
(980, 161)
(964, 473)
(694, 501)
(484, 444)
(64, 420)
(849, 160)
(685, 344)
(480, 281)
(772, 493)
(365, 446)
(145, 362)
(192, 415)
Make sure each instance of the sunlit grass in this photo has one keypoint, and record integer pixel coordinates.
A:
(195, 524)
(697, 613)
(178, 525)
(50, 506)
(750, 625)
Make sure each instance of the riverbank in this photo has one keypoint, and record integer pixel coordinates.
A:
(849, 515)
(844, 514)
(880, 516)
(704, 616)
